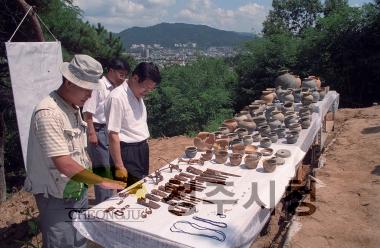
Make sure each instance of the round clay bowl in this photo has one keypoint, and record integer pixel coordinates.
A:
(235, 159)
(251, 160)
(221, 156)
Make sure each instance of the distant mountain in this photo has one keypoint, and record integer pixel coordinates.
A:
(167, 34)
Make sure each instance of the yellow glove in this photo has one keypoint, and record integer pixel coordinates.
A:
(121, 174)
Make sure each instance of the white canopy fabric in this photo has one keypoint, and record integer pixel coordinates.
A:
(34, 71)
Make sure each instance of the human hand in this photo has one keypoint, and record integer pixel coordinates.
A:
(112, 184)
(121, 174)
(92, 138)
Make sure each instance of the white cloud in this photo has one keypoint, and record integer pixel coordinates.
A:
(245, 18)
(117, 15)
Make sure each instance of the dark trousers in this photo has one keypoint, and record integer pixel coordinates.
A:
(135, 158)
(100, 158)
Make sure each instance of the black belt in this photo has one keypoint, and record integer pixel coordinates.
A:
(99, 125)
(123, 144)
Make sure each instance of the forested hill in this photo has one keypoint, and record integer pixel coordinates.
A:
(166, 34)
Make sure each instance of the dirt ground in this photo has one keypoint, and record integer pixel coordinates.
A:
(347, 193)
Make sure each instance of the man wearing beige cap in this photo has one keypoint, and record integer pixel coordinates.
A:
(57, 164)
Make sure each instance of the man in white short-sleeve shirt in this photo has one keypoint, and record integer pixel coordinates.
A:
(93, 110)
(127, 123)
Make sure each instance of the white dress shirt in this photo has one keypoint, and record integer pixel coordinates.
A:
(95, 104)
(126, 115)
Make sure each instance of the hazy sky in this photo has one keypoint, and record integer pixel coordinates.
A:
(235, 15)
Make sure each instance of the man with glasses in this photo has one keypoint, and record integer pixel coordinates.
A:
(93, 109)
(127, 123)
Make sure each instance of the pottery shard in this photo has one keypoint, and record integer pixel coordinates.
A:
(204, 140)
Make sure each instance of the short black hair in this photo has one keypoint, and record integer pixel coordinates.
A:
(119, 64)
(147, 70)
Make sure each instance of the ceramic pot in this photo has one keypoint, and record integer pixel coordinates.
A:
(274, 124)
(298, 81)
(278, 115)
(232, 136)
(236, 141)
(297, 95)
(207, 155)
(231, 124)
(268, 111)
(249, 125)
(288, 96)
(315, 95)
(265, 142)
(280, 132)
(221, 144)
(305, 122)
(221, 156)
(264, 130)
(291, 139)
(285, 80)
(241, 132)
(307, 98)
(269, 165)
(295, 127)
(204, 140)
(317, 81)
(250, 149)
(251, 160)
(224, 130)
(256, 137)
(288, 106)
(268, 96)
(235, 159)
(247, 139)
(273, 137)
(309, 83)
(238, 148)
(190, 151)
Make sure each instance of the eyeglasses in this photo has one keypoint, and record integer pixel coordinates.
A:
(148, 86)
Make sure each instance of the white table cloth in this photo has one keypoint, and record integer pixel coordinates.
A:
(244, 218)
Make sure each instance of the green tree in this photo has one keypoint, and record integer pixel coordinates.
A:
(191, 98)
(292, 16)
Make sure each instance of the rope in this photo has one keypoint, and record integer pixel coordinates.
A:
(23, 21)
(20, 23)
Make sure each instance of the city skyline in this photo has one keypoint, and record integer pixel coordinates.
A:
(237, 15)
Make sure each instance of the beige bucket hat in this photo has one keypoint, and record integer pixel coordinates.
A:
(83, 71)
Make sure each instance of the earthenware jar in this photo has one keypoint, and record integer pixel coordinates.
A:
(259, 120)
(268, 111)
(204, 140)
(268, 96)
(290, 119)
(256, 137)
(221, 144)
(307, 98)
(273, 137)
(285, 80)
(297, 95)
(273, 124)
(309, 83)
(247, 139)
(231, 124)
(221, 156)
(218, 134)
(305, 122)
(232, 136)
(315, 95)
(278, 115)
(295, 127)
(317, 81)
(241, 132)
(224, 130)
(239, 116)
(250, 149)
(280, 93)
(190, 151)
(236, 141)
(238, 148)
(250, 125)
(251, 160)
(265, 142)
(288, 106)
(322, 94)
(288, 96)
(298, 81)
(280, 132)
(235, 159)
(207, 155)
(291, 139)
(269, 165)
(264, 130)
